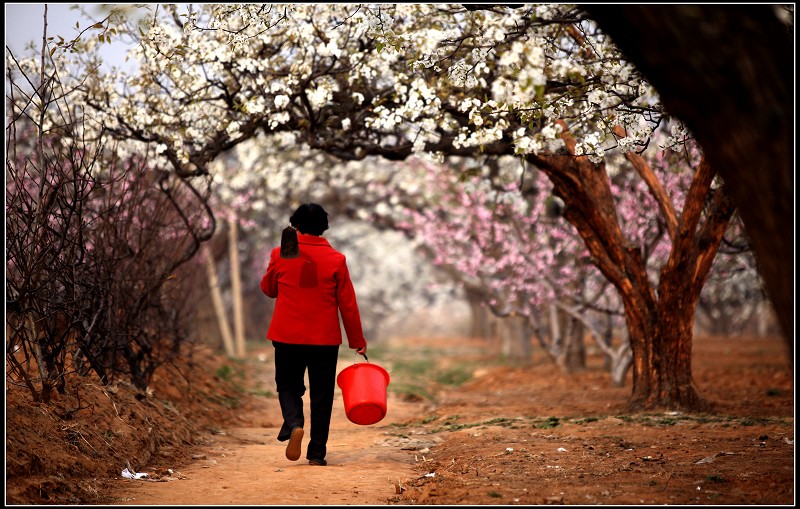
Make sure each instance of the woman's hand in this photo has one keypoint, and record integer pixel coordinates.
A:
(362, 350)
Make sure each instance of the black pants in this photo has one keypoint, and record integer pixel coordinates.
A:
(291, 362)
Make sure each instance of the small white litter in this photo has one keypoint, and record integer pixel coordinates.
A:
(133, 475)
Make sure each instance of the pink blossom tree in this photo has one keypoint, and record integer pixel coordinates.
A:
(499, 240)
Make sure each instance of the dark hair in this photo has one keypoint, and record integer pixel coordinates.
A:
(310, 218)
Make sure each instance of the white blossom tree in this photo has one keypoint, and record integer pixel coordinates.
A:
(540, 82)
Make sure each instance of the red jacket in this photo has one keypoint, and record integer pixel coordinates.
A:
(311, 291)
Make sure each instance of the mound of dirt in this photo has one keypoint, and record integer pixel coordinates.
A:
(68, 451)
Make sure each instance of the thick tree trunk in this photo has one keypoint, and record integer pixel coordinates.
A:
(662, 362)
(662, 348)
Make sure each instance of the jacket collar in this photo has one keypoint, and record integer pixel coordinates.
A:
(303, 238)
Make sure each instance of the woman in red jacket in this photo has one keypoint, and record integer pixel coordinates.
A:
(312, 285)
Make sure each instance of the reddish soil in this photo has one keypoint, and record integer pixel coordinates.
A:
(205, 435)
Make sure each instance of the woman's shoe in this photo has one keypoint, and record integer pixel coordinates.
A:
(295, 445)
(317, 461)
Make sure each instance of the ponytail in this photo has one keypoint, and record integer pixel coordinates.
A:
(289, 246)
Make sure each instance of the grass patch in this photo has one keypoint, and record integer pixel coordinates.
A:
(224, 372)
(454, 376)
(226, 401)
(420, 422)
(410, 391)
(264, 393)
(550, 422)
(506, 422)
(449, 424)
(457, 426)
(227, 373)
(414, 367)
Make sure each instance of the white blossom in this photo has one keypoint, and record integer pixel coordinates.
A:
(281, 101)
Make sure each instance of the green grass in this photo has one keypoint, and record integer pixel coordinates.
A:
(454, 376)
(228, 373)
(226, 401)
(265, 393)
(550, 422)
(224, 372)
(416, 373)
(410, 391)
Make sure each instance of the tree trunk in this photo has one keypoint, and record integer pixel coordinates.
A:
(236, 288)
(575, 354)
(661, 333)
(662, 361)
(480, 326)
(659, 323)
(606, 339)
(558, 346)
(514, 332)
(619, 366)
(219, 306)
(618, 361)
(763, 318)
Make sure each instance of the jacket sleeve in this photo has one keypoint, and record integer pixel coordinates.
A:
(269, 283)
(348, 307)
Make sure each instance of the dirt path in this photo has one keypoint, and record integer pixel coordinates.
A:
(247, 466)
(527, 436)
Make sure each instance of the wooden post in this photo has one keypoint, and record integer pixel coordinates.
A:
(236, 286)
(219, 308)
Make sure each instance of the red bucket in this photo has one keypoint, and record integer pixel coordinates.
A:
(364, 390)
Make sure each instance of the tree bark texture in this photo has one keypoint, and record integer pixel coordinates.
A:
(727, 71)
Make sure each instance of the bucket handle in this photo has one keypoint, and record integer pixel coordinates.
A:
(355, 357)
